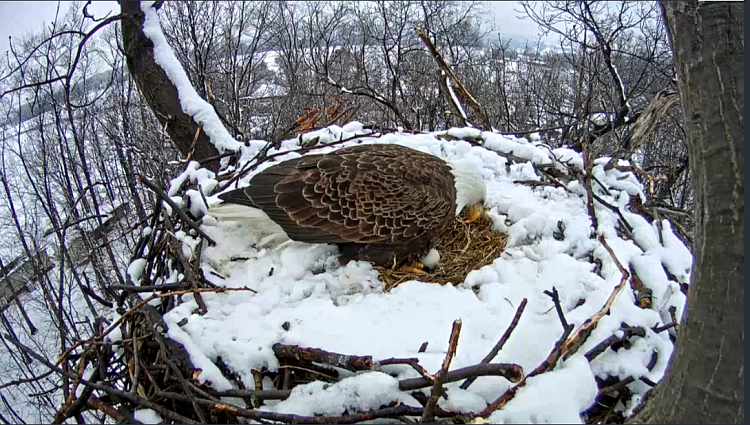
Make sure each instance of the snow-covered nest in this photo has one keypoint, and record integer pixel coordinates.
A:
(302, 297)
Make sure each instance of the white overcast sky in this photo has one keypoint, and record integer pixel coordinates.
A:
(18, 18)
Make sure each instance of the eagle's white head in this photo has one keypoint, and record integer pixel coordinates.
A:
(470, 191)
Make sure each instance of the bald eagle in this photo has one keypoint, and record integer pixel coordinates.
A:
(382, 203)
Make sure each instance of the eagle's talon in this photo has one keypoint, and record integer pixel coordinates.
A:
(413, 268)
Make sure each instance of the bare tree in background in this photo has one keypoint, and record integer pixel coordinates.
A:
(73, 134)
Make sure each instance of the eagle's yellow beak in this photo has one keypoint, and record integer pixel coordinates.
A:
(474, 212)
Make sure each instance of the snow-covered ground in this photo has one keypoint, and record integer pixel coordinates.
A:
(345, 309)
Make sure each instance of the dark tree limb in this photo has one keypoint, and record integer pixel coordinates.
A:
(151, 288)
(510, 371)
(345, 361)
(159, 91)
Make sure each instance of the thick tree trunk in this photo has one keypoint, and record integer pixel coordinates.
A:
(158, 91)
(705, 381)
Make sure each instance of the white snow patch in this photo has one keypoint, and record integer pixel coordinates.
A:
(147, 416)
(553, 397)
(359, 393)
(135, 270)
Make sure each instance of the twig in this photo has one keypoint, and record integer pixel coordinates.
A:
(163, 195)
(572, 345)
(95, 296)
(555, 182)
(628, 332)
(322, 372)
(604, 188)
(537, 183)
(256, 394)
(587, 184)
(150, 288)
(437, 388)
(659, 329)
(499, 346)
(510, 371)
(26, 380)
(558, 306)
(413, 362)
(352, 363)
(136, 361)
(455, 82)
(106, 409)
(616, 210)
(217, 157)
(195, 140)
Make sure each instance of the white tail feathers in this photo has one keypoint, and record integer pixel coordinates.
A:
(234, 212)
(267, 231)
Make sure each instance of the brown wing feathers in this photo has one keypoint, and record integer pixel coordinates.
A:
(361, 194)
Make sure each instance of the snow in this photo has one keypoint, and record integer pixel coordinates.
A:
(344, 309)
(462, 401)
(357, 393)
(552, 397)
(135, 270)
(147, 416)
(192, 104)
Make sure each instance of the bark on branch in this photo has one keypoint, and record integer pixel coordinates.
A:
(158, 91)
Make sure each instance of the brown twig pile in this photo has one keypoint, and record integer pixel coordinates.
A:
(462, 247)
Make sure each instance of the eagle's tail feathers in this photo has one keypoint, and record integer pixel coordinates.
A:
(236, 212)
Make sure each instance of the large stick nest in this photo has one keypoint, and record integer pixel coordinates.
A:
(462, 247)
